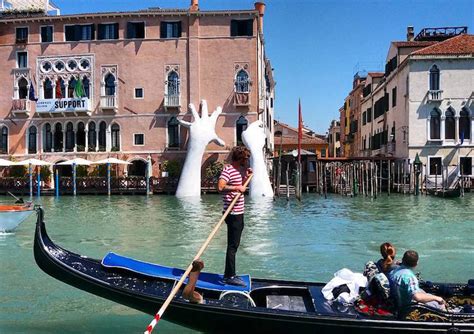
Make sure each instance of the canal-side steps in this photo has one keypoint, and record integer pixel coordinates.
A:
(283, 191)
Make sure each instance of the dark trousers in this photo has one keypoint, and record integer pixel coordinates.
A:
(235, 226)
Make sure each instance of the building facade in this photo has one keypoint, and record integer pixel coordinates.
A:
(286, 140)
(115, 84)
(334, 139)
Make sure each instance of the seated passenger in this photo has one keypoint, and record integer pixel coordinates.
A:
(387, 263)
(405, 287)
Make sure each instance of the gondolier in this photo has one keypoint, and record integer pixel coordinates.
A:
(230, 184)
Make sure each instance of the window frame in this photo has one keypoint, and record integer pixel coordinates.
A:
(93, 32)
(135, 137)
(115, 137)
(29, 149)
(105, 24)
(136, 38)
(178, 146)
(18, 41)
(431, 126)
(234, 30)
(434, 69)
(7, 139)
(429, 165)
(452, 116)
(179, 30)
(41, 33)
(461, 168)
(135, 93)
(18, 59)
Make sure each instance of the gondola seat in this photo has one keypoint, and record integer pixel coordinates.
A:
(206, 281)
(329, 308)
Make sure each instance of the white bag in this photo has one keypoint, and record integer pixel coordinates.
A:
(354, 281)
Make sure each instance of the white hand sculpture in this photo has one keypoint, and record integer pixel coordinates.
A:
(254, 138)
(201, 132)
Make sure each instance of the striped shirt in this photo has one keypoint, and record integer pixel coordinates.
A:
(233, 178)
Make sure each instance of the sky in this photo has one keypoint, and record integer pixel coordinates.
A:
(317, 46)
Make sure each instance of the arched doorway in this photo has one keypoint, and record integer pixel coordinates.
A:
(63, 171)
(137, 168)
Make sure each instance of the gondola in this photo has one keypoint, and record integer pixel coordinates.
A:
(267, 306)
(13, 215)
(445, 192)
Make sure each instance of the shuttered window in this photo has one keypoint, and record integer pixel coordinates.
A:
(135, 30)
(108, 31)
(241, 28)
(170, 29)
(47, 34)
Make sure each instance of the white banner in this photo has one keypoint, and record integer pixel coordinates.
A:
(62, 105)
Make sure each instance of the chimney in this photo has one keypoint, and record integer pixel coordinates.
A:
(260, 7)
(410, 33)
(194, 6)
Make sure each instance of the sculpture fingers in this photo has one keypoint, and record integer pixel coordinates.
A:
(215, 115)
(192, 108)
(219, 141)
(204, 110)
(184, 123)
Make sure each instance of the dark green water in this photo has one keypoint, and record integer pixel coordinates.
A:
(302, 241)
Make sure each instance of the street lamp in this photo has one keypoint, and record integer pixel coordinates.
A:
(417, 165)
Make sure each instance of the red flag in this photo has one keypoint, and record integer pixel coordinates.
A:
(59, 92)
(300, 130)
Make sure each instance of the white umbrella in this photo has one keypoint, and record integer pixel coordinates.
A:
(76, 161)
(6, 163)
(34, 162)
(112, 161)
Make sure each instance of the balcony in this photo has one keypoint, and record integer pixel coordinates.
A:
(109, 102)
(21, 107)
(172, 101)
(241, 99)
(435, 95)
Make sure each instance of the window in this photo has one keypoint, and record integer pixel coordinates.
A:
(81, 137)
(241, 28)
(435, 165)
(435, 124)
(135, 30)
(449, 125)
(115, 137)
(364, 118)
(108, 31)
(170, 29)
(48, 138)
(69, 137)
(242, 82)
(71, 86)
(60, 89)
(139, 93)
(83, 32)
(3, 140)
(466, 165)
(46, 34)
(138, 139)
(22, 35)
(22, 88)
(22, 59)
(394, 97)
(32, 140)
(48, 89)
(109, 85)
(241, 125)
(102, 136)
(173, 133)
(58, 137)
(323, 153)
(434, 78)
(369, 115)
(173, 84)
(464, 125)
(92, 136)
(86, 86)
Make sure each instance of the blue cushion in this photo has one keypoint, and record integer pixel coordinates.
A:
(206, 281)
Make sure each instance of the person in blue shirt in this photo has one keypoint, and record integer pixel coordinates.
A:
(405, 286)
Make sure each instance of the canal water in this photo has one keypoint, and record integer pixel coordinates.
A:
(300, 241)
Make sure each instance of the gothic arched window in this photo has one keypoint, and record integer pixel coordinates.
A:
(115, 137)
(92, 136)
(242, 82)
(3, 140)
(32, 131)
(58, 137)
(449, 125)
(22, 88)
(47, 138)
(48, 89)
(69, 137)
(241, 125)
(435, 124)
(464, 124)
(102, 136)
(173, 133)
(109, 85)
(81, 137)
(434, 78)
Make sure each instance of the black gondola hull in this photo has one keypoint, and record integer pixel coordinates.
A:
(147, 295)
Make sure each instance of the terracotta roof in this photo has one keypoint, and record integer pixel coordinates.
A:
(459, 45)
(411, 44)
(376, 74)
(293, 140)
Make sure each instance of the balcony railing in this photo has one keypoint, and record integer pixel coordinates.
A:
(21, 106)
(172, 101)
(241, 99)
(435, 95)
(109, 102)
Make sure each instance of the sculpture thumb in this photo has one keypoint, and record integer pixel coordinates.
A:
(219, 141)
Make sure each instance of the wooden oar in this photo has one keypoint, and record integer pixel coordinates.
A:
(16, 198)
(168, 300)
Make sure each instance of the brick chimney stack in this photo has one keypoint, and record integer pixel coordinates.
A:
(260, 7)
(410, 33)
(194, 6)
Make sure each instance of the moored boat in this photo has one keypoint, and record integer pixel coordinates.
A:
(13, 215)
(263, 306)
(445, 192)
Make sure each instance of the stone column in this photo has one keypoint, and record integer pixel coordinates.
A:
(443, 124)
(108, 139)
(456, 129)
(86, 131)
